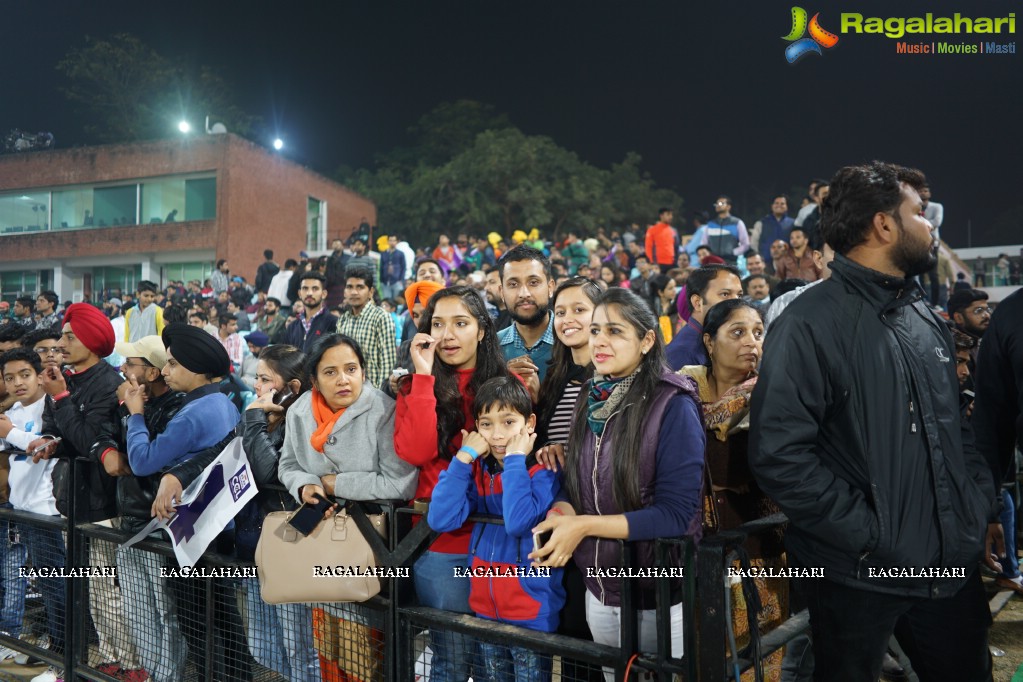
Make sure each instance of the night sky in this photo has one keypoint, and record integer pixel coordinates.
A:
(701, 90)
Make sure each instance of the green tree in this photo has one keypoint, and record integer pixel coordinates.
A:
(500, 179)
(633, 196)
(443, 133)
(126, 91)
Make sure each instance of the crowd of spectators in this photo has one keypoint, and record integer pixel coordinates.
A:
(600, 387)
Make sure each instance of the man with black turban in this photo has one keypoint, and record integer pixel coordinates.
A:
(189, 360)
(194, 360)
(82, 405)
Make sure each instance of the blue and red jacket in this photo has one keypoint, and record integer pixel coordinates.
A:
(522, 497)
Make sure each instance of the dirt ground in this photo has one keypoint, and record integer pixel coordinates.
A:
(1007, 635)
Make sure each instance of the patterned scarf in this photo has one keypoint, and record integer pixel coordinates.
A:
(604, 398)
(730, 412)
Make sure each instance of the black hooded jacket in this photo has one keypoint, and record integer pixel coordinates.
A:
(856, 435)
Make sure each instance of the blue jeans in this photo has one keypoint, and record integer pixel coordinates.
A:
(392, 290)
(1010, 564)
(46, 548)
(438, 588)
(281, 636)
(514, 664)
(152, 614)
(12, 558)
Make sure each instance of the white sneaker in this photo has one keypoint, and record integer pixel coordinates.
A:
(7, 653)
(52, 674)
(26, 659)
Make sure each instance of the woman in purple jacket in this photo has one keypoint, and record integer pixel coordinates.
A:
(633, 468)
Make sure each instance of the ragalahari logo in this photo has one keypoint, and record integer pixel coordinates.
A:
(802, 46)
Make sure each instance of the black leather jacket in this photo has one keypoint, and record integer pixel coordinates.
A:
(135, 494)
(80, 419)
(856, 435)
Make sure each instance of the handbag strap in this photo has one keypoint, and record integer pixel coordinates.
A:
(753, 608)
(711, 516)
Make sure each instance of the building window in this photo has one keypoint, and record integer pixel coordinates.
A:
(72, 208)
(115, 205)
(24, 212)
(24, 283)
(174, 200)
(150, 201)
(316, 225)
(115, 281)
(163, 201)
(201, 199)
(186, 272)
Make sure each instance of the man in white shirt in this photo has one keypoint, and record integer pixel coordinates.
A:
(31, 483)
(279, 286)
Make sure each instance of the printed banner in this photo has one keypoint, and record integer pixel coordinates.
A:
(207, 505)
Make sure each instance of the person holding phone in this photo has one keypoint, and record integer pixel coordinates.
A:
(453, 358)
(340, 443)
(507, 482)
(280, 637)
(633, 468)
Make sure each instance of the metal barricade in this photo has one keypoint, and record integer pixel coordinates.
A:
(154, 620)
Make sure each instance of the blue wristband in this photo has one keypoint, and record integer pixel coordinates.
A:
(473, 455)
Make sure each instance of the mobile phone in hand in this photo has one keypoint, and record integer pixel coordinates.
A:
(279, 398)
(541, 539)
(46, 445)
(308, 516)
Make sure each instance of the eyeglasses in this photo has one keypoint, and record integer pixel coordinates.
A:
(982, 311)
(143, 365)
(47, 351)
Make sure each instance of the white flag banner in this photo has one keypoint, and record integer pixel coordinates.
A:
(207, 505)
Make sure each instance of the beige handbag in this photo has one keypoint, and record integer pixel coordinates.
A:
(328, 565)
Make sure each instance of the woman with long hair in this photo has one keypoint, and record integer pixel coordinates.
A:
(663, 293)
(633, 467)
(570, 365)
(733, 333)
(570, 368)
(455, 354)
(610, 274)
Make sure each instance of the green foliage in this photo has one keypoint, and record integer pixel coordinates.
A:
(126, 91)
(499, 179)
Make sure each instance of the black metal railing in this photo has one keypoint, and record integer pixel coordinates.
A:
(215, 622)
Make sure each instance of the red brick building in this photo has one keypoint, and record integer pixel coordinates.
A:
(87, 220)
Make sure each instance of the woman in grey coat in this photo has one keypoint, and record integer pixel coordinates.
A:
(339, 442)
(339, 439)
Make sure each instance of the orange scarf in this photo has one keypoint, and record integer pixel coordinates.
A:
(325, 420)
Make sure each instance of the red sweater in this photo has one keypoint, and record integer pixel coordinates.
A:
(415, 441)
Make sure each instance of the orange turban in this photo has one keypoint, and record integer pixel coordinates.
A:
(421, 291)
(91, 327)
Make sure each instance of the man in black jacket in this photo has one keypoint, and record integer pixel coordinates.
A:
(317, 319)
(266, 271)
(856, 435)
(998, 421)
(82, 405)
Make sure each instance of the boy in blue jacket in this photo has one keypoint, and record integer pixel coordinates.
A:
(508, 483)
